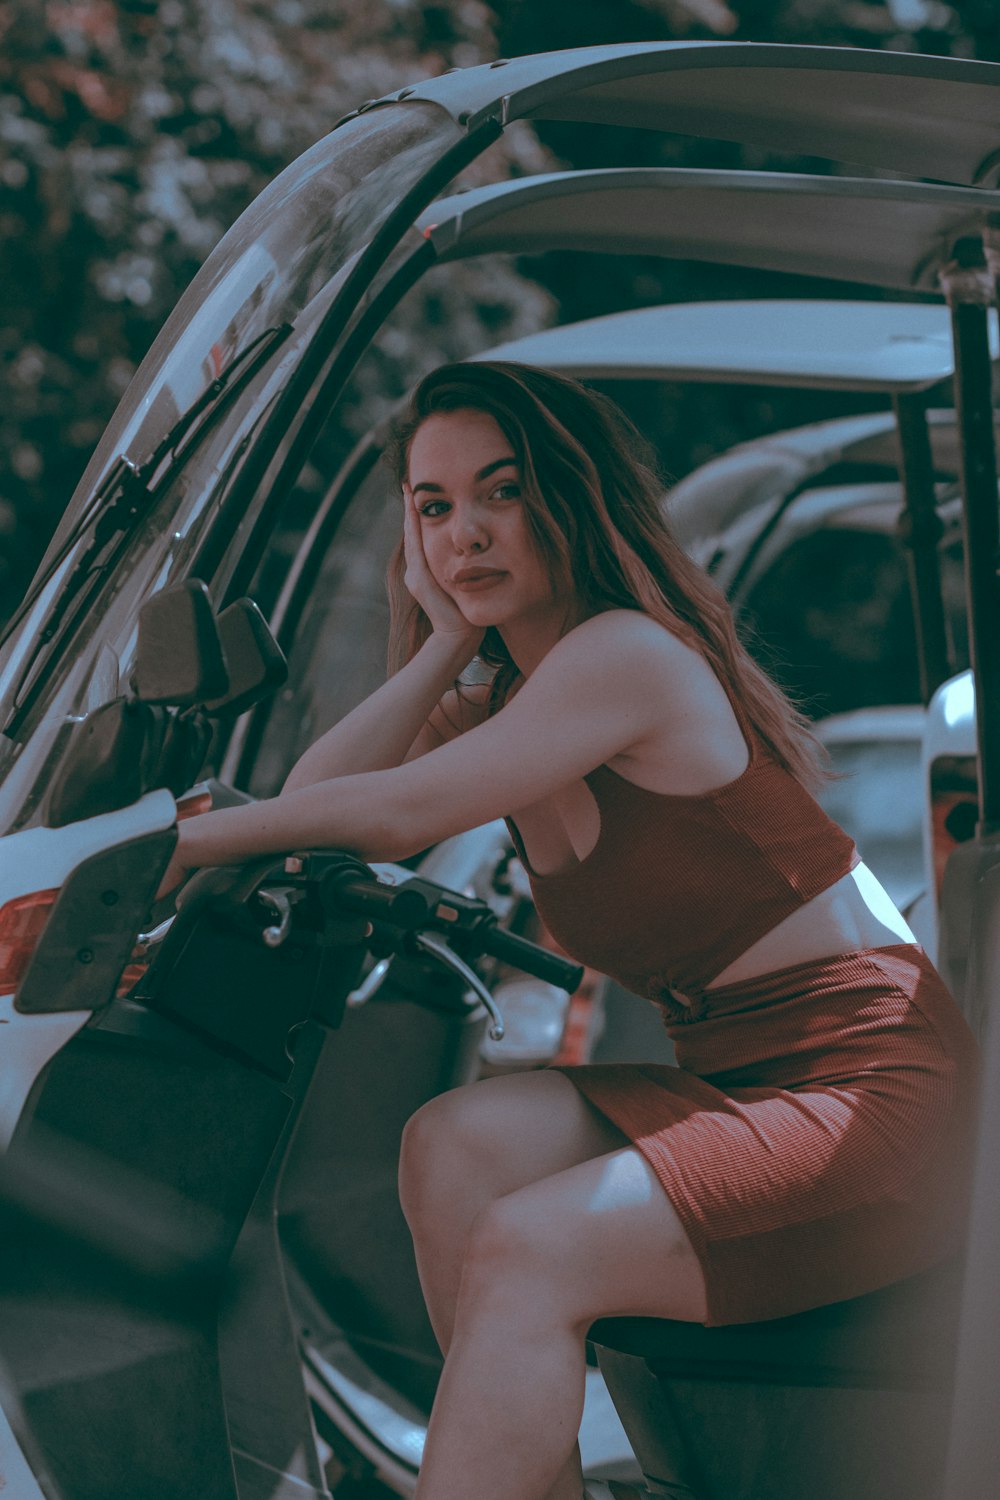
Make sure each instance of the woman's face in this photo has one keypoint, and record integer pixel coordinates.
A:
(468, 492)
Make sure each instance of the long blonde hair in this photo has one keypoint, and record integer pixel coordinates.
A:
(593, 502)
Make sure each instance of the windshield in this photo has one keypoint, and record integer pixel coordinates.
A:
(274, 260)
(282, 263)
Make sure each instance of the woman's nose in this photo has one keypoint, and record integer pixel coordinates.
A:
(469, 531)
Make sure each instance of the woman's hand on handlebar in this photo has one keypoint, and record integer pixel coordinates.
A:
(444, 614)
(174, 876)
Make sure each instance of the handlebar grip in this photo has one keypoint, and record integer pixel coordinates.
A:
(520, 953)
(361, 893)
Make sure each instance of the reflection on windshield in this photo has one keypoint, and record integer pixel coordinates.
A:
(278, 255)
(102, 531)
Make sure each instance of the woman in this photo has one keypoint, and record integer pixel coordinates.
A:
(814, 1142)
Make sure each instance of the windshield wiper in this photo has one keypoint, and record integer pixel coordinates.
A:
(244, 364)
(120, 503)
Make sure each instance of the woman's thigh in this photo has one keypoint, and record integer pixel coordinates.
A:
(487, 1139)
(599, 1239)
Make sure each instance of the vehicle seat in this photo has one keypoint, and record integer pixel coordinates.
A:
(845, 1400)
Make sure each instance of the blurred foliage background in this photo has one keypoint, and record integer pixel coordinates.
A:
(133, 132)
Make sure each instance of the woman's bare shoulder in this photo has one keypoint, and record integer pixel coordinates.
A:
(618, 635)
(628, 651)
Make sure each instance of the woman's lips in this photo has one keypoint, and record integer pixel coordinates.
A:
(480, 582)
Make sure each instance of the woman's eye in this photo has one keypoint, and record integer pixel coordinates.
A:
(509, 489)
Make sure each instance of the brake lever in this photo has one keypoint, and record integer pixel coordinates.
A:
(431, 943)
(279, 903)
(370, 984)
(276, 899)
(147, 940)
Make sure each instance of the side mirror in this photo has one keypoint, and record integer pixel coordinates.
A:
(180, 658)
(255, 661)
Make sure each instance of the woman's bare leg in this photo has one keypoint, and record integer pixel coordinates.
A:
(472, 1146)
(598, 1239)
(476, 1145)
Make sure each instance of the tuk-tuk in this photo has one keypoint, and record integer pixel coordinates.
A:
(109, 666)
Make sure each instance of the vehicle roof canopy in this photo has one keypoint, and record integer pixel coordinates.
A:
(888, 347)
(884, 233)
(929, 115)
(934, 117)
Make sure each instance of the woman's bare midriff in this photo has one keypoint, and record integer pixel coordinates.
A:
(853, 914)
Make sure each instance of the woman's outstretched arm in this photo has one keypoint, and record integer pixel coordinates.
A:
(378, 733)
(587, 701)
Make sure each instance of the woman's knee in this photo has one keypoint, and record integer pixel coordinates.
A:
(511, 1256)
(481, 1142)
(438, 1154)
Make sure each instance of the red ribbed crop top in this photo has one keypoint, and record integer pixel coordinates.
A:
(678, 886)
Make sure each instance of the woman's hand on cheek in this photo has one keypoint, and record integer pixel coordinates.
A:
(444, 614)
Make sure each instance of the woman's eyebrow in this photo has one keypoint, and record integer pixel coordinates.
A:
(484, 473)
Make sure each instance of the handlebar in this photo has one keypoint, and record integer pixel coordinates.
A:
(411, 915)
(521, 953)
(418, 904)
(353, 886)
(334, 911)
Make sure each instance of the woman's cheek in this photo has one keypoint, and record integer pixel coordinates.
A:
(436, 564)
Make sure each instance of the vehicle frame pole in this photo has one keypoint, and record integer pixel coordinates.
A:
(968, 286)
(921, 530)
(974, 1444)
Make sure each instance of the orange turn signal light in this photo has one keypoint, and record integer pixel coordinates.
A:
(22, 922)
(193, 805)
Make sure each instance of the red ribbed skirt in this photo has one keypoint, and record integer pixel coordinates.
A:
(816, 1138)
